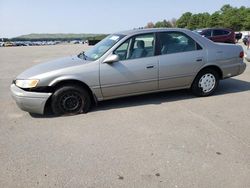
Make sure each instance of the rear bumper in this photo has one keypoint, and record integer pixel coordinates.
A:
(33, 102)
(242, 67)
(247, 55)
(233, 70)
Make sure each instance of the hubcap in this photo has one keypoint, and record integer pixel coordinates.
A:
(207, 82)
(71, 102)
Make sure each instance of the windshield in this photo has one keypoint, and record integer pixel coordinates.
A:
(102, 47)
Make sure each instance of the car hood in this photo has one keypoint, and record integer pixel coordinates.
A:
(51, 66)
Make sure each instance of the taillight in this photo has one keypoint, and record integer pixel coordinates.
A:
(241, 54)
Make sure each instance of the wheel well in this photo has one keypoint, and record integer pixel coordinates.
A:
(70, 82)
(217, 69)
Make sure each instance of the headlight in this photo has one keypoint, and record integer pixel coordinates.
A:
(26, 83)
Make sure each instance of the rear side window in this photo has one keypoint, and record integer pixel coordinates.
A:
(176, 42)
(217, 32)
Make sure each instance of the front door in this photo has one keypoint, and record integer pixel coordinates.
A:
(135, 72)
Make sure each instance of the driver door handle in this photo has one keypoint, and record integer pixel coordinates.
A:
(150, 66)
(199, 59)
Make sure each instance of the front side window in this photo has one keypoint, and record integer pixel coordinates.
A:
(226, 32)
(176, 42)
(207, 33)
(136, 47)
(102, 47)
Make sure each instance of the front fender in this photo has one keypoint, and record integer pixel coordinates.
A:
(96, 90)
(63, 78)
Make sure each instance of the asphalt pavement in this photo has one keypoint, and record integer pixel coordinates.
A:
(169, 139)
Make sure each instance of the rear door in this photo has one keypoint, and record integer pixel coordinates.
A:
(180, 58)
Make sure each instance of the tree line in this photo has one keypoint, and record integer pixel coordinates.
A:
(57, 37)
(234, 18)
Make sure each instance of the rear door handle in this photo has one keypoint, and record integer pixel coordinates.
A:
(150, 67)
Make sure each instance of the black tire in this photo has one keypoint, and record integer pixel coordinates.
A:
(196, 85)
(70, 100)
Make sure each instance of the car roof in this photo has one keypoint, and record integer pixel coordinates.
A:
(151, 30)
(217, 28)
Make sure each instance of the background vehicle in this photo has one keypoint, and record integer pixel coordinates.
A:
(125, 64)
(8, 44)
(238, 36)
(248, 55)
(245, 39)
(218, 34)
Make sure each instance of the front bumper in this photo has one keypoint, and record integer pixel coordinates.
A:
(33, 102)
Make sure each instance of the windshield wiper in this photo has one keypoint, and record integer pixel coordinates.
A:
(82, 56)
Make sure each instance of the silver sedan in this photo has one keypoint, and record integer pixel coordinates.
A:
(128, 63)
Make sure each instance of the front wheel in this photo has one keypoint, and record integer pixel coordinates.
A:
(205, 83)
(70, 100)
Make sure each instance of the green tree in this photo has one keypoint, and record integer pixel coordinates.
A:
(193, 22)
(231, 17)
(183, 21)
(204, 20)
(215, 20)
(163, 23)
(228, 16)
(245, 17)
(246, 23)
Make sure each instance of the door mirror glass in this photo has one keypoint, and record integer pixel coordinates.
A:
(111, 59)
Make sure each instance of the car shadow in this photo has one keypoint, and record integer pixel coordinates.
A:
(232, 85)
(227, 86)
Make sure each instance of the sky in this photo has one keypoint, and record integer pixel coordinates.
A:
(18, 17)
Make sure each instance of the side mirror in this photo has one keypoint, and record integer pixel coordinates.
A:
(111, 59)
(81, 55)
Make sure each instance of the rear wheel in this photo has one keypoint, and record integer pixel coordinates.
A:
(70, 100)
(205, 83)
